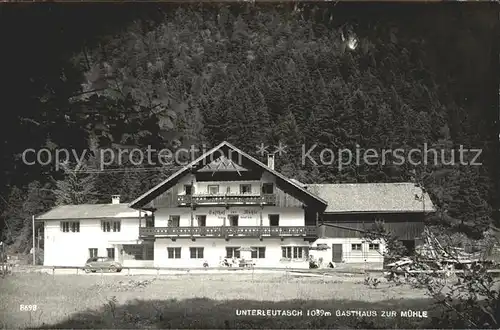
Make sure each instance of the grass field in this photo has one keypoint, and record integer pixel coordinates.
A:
(201, 301)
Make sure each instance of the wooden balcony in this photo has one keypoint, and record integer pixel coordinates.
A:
(226, 199)
(226, 232)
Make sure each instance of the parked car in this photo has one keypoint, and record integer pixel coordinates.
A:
(102, 263)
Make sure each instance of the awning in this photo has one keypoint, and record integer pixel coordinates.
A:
(320, 246)
(246, 249)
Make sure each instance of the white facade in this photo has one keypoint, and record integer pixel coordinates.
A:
(72, 248)
(354, 250)
(214, 250)
(218, 216)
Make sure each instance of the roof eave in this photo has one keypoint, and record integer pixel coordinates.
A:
(276, 173)
(92, 218)
(380, 211)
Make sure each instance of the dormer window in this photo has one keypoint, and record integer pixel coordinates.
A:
(188, 189)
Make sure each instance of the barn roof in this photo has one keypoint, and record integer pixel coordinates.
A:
(372, 197)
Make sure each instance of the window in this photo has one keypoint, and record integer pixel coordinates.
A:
(138, 252)
(294, 252)
(92, 253)
(356, 247)
(202, 220)
(111, 253)
(174, 220)
(274, 220)
(233, 220)
(259, 253)
(245, 188)
(70, 226)
(174, 253)
(188, 189)
(110, 226)
(149, 252)
(374, 247)
(213, 189)
(267, 188)
(150, 221)
(232, 252)
(196, 252)
(228, 190)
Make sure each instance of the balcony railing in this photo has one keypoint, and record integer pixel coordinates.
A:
(219, 199)
(226, 231)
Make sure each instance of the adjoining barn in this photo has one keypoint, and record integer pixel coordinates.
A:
(354, 210)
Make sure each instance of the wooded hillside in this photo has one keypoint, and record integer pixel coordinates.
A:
(172, 76)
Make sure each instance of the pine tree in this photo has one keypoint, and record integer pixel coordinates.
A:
(76, 187)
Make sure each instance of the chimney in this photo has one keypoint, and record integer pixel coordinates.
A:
(270, 161)
(115, 199)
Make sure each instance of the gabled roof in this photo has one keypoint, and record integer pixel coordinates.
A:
(90, 211)
(169, 182)
(372, 197)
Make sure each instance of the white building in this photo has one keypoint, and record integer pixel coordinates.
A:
(225, 201)
(73, 233)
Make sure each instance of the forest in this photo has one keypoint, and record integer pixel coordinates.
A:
(86, 77)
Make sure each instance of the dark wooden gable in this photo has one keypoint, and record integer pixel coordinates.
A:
(405, 226)
(244, 161)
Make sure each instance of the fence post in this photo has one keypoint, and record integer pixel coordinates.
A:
(128, 271)
(54, 270)
(157, 271)
(77, 268)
